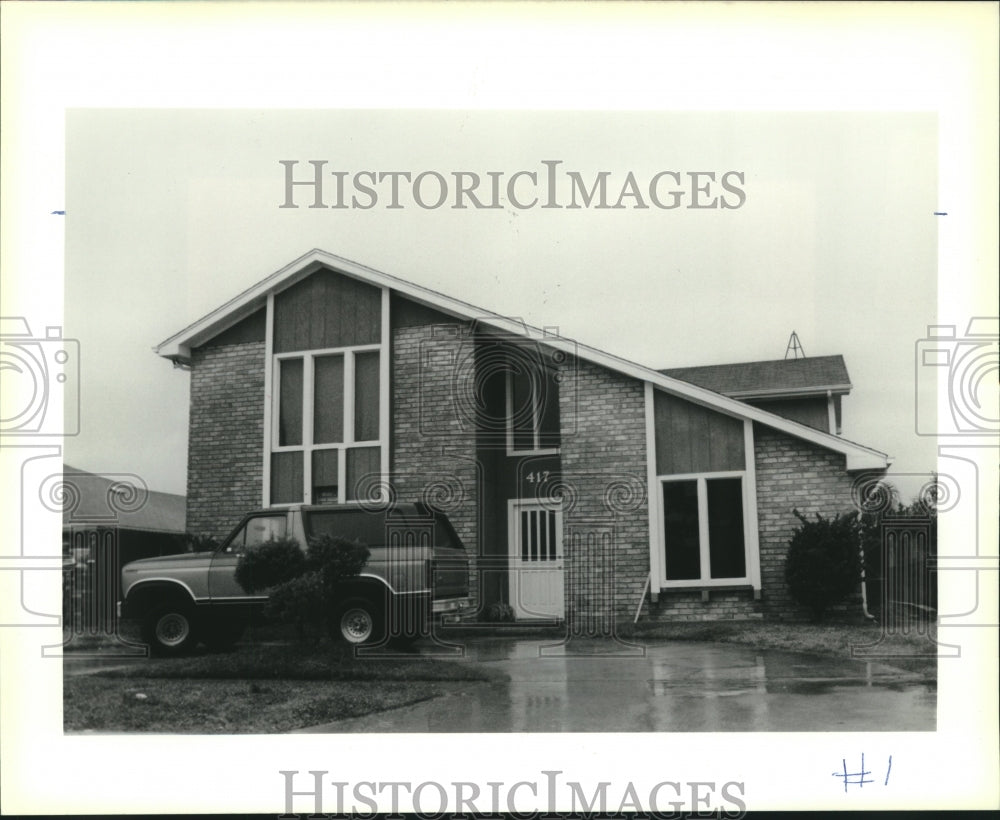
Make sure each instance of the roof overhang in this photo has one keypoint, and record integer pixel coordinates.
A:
(178, 347)
(820, 391)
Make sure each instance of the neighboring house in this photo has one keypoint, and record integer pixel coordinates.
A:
(587, 487)
(807, 390)
(110, 519)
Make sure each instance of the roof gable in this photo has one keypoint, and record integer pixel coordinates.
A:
(178, 347)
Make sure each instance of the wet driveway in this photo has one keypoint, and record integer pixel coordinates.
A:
(662, 686)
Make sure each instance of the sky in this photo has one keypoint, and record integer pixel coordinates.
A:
(169, 213)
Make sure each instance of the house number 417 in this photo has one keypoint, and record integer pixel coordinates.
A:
(538, 477)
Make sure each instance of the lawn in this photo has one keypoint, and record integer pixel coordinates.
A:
(275, 687)
(93, 703)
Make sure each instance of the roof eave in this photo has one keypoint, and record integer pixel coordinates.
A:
(178, 347)
(791, 392)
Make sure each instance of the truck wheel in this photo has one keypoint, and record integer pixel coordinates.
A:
(221, 634)
(359, 621)
(169, 630)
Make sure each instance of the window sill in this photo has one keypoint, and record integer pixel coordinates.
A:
(549, 451)
(706, 589)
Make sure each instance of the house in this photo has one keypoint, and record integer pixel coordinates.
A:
(808, 390)
(110, 519)
(587, 487)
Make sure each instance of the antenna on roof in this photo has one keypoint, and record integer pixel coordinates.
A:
(794, 347)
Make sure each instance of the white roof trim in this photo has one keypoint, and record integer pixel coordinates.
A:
(794, 392)
(178, 347)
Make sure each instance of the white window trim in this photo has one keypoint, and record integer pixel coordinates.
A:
(272, 399)
(537, 413)
(751, 550)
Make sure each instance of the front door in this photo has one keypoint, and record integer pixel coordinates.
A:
(536, 560)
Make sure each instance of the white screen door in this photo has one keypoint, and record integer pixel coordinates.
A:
(536, 560)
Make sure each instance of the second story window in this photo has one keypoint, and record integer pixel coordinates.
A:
(326, 430)
(532, 410)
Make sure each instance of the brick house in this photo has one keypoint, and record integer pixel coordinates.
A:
(587, 488)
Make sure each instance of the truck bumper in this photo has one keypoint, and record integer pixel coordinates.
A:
(450, 605)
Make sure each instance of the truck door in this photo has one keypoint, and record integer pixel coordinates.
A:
(256, 530)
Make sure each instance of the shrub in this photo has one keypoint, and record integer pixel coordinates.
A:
(498, 612)
(200, 542)
(336, 558)
(302, 584)
(824, 563)
(270, 565)
(300, 601)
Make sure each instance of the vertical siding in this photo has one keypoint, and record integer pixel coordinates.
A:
(812, 412)
(693, 439)
(327, 309)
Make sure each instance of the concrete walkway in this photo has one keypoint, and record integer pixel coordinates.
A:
(662, 686)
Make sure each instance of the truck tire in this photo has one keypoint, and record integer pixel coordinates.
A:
(169, 629)
(359, 621)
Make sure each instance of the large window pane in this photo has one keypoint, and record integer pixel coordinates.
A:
(548, 433)
(725, 527)
(366, 386)
(363, 465)
(328, 400)
(324, 476)
(522, 410)
(290, 402)
(680, 527)
(286, 477)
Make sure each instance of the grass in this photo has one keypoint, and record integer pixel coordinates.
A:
(322, 661)
(257, 688)
(94, 703)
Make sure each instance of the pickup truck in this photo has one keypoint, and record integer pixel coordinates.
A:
(417, 569)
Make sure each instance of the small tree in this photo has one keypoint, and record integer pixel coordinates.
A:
(823, 565)
(301, 586)
(200, 542)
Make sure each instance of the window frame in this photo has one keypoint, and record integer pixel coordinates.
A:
(705, 567)
(308, 445)
(537, 416)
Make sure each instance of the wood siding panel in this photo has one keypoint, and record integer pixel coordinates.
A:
(812, 412)
(327, 310)
(251, 329)
(693, 439)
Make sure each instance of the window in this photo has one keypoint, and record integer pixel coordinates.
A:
(704, 529)
(532, 410)
(326, 431)
(257, 531)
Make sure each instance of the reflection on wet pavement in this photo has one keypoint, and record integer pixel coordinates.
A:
(604, 686)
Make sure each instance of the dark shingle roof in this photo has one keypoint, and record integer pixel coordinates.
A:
(773, 378)
(90, 500)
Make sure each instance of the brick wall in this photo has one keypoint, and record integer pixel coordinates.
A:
(605, 525)
(225, 439)
(793, 474)
(433, 442)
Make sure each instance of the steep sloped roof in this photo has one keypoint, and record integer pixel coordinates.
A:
(92, 500)
(778, 377)
(178, 347)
